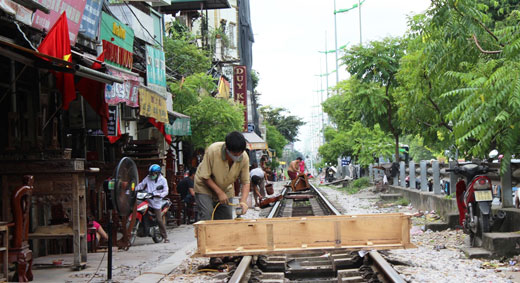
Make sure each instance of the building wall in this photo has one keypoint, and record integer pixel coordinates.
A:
(215, 17)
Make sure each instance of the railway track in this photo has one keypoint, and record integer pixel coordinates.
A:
(317, 266)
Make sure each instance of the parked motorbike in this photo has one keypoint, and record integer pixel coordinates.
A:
(329, 174)
(474, 196)
(417, 182)
(146, 224)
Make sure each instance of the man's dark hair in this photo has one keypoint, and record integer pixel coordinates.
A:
(192, 171)
(299, 158)
(256, 180)
(235, 142)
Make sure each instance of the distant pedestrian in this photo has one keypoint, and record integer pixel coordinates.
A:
(294, 167)
(186, 187)
(258, 177)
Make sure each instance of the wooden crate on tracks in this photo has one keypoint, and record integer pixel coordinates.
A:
(300, 183)
(302, 234)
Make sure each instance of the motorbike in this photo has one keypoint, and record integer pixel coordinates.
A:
(417, 182)
(329, 174)
(474, 196)
(146, 224)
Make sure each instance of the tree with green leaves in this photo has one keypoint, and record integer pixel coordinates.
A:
(212, 119)
(187, 92)
(361, 142)
(275, 140)
(183, 57)
(418, 151)
(423, 109)
(287, 125)
(377, 62)
(475, 46)
(290, 155)
(356, 102)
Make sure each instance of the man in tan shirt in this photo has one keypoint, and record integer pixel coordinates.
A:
(294, 168)
(222, 165)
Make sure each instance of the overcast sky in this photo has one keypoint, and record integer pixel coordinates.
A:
(289, 35)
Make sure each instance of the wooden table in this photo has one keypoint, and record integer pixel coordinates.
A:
(4, 248)
(55, 181)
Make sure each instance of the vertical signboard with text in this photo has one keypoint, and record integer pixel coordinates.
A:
(90, 21)
(240, 89)
(113, 119)
(155, 69)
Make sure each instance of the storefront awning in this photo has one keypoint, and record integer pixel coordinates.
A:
(254, 142)
(179, 115)
(42, 61)
(192, 5)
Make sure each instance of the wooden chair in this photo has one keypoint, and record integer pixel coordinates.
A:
(176, 208)
(19, 252)
(190, 212)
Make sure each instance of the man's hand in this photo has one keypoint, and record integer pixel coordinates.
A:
(222, 198)
(244, 207)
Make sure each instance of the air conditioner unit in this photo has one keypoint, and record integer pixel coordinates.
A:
(128, 113)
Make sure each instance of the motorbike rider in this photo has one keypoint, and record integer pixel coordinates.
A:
(156, 185)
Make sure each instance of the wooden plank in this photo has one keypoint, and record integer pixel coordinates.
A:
(18, 167)
(5, 247)
(298, 234)
(270, 239)
(337, 231)
(83, 218)
(76, 242)
(5, 200)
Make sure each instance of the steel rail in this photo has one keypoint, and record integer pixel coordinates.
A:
(380, 263)
(276, 206)
(326, 201)
(384, 267)
(242, 268)
(245, 263)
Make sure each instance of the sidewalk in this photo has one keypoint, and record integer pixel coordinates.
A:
(143, 262)
(142, 258)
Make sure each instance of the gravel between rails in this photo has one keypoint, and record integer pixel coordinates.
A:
(438, 257)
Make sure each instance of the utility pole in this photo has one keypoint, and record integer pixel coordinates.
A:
(321, 108)
(336, 44)
(327, 66)
(359, 10)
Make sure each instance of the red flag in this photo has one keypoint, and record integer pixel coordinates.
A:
(160, 127)
(57, 44)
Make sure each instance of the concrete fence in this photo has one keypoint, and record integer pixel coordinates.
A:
(434, 172)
